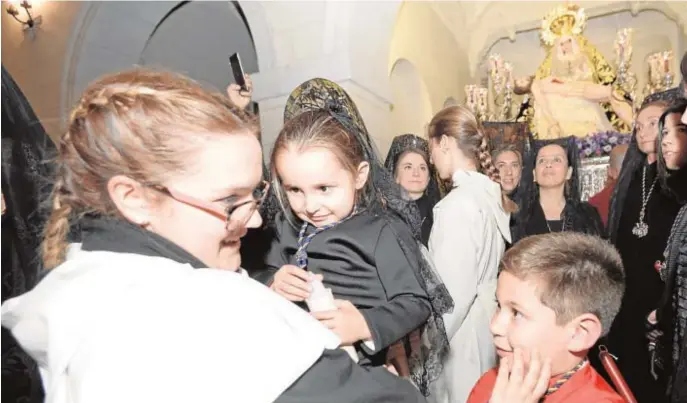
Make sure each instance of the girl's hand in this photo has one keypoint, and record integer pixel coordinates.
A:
(293, 283)
(515, 385)
(239, 97)
(347, 322)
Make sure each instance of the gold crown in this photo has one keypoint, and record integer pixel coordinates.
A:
(563, 20)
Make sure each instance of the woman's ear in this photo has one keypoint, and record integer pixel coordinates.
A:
(569, 174)
(130, 198)
(534, 175)
(362, 175)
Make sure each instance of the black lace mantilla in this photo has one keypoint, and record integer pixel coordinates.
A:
(385, 199)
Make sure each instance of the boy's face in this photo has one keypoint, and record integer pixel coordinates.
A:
(523, 322)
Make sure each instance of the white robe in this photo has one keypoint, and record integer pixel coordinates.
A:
(467, 242)
(114, 327)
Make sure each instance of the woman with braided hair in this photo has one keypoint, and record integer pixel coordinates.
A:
(152, 305)
(471, 228)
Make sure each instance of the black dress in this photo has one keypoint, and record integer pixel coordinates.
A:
(425, 205)
(644, 287)
(576, 216)
(361, 261)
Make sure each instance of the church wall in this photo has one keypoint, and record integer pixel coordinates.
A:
(421, 38)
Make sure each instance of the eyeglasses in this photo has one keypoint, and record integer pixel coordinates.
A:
(236, 216)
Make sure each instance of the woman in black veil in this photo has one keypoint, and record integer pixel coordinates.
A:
(640, 217)
(575, 216)
(26, 150)
(400, 147)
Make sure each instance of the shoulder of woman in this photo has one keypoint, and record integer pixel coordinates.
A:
(457, 203)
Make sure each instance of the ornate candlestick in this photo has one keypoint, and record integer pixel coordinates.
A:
(482, 100)
(623, 54)
(471, 98)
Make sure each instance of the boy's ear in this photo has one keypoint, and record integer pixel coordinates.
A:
(585, 331)
(363, 174)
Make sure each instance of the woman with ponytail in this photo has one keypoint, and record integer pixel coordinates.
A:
(471, 228)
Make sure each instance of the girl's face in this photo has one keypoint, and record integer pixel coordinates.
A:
(674, 142)
(552, 168)
(647, 128)
(319, 188)
(412, 173)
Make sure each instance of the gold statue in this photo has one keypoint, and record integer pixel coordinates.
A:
(573, 90)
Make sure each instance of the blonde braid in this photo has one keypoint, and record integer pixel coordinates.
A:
(54, 245)
(485, 161)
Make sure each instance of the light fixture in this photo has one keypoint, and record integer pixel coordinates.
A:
(31, 21)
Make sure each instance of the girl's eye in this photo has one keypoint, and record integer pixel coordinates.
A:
(423, 168)
(406, 168)
(517, 314)
(293, 190)
(324, 189)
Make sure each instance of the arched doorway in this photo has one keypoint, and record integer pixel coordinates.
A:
(412, 107)
(112, 36)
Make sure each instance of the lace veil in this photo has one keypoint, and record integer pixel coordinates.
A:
(411, 142)
(384, 198)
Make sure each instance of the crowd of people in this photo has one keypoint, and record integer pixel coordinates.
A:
(177, 266)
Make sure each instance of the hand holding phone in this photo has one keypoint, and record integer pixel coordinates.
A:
(237, 70)
(239, 97)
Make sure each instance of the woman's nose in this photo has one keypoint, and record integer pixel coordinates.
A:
(255, 220)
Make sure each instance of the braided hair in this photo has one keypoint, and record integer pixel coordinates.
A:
(458, 122)
(137, 124)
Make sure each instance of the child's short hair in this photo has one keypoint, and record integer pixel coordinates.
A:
(575, 274)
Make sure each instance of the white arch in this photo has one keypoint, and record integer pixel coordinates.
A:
(94, 34)
(412, 106)
(676, 11)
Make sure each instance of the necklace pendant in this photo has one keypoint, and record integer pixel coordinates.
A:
(640, 229)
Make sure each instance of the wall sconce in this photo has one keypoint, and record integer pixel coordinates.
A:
(31, 22)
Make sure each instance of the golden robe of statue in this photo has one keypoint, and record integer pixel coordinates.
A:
(573, 90)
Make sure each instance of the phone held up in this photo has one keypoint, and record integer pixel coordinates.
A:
(237, 70)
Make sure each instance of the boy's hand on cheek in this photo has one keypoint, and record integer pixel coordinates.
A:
(517, 384)
(347, 322)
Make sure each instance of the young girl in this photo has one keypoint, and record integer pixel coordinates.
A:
(471, 228)
(340, 221)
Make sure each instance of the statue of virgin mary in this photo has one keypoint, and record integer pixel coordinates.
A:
(573, 91)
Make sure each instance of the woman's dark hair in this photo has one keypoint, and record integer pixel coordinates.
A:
(663, 173)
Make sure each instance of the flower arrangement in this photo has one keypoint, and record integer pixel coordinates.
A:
(600, 144)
